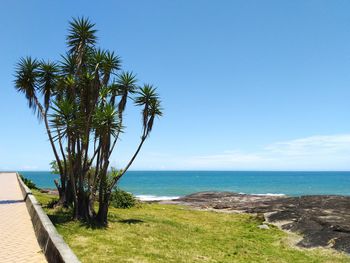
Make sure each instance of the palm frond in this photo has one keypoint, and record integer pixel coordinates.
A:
(155, 110)
(81, 34)
(68, 64)
(146, 95)
(111, 63)
(47, 80)
(26, 77)
(126, 83)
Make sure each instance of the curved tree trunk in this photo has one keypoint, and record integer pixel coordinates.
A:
(61, 189)
(105, 191)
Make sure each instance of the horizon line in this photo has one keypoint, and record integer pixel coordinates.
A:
(199, 170)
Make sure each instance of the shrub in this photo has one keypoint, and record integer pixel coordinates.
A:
(122, 199)
(29, 183)
(52, 203)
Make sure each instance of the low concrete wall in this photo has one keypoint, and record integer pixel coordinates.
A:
(52, 244)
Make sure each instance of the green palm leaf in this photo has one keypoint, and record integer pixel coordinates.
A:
(146, 95)
(47, 80)
(81, 34)
(26, 77)
(126, 84)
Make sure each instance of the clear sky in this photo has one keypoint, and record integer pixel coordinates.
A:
(246, 85)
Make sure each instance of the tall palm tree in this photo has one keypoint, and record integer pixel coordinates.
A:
(149, 99)
(32, 76)
(82, 108)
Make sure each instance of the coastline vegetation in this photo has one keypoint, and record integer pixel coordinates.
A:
(82, 101)
(172, 233)
(122, 199)
(28, 182)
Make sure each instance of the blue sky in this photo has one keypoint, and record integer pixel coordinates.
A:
(246, 85)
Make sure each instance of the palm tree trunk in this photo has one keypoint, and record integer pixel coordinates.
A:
(44, 116)
(134, 156)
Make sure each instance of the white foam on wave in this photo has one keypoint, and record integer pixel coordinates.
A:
(267, 194)
(155, 198)
(270, 194)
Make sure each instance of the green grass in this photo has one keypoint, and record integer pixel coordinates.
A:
(169, 233)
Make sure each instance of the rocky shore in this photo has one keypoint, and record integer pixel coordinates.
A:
(322, 220)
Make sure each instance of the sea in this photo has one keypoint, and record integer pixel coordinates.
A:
(163, 185)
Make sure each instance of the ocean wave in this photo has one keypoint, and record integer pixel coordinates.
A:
(270, 194)
(155, 198)
(267, 194)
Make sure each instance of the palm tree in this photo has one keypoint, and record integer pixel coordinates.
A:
(32, 76)
(83, 115)
(149, 99)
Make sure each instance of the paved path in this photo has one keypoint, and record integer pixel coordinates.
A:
(17, 238)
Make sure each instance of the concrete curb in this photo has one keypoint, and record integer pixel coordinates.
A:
(52, 244)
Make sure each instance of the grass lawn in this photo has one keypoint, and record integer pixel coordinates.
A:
(169, 233)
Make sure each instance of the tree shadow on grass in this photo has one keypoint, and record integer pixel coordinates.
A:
(60, 217)
(97, 226)
(130, 221)
(113, 218)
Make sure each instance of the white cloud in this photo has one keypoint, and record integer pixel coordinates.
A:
(310, 153)
(314, 145)
(317, 152)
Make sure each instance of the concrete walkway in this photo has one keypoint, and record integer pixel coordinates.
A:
(17, 238)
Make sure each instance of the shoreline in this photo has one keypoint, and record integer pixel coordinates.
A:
(152, 197)
(180, 183)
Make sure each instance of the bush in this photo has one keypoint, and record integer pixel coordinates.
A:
(29, 183)
(52, 203)
(122, 199)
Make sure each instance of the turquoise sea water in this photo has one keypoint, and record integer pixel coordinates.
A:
(163, 184)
